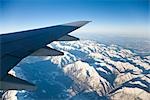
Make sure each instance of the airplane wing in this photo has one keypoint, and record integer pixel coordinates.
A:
(16, 46)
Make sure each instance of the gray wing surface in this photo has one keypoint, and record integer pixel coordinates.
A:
(16, 46)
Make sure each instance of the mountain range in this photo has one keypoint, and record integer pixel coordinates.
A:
(87, 70)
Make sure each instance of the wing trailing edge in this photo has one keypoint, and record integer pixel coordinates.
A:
(47, 51)
(13, 83)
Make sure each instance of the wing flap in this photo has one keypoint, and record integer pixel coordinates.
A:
(13, 83)
(68, 38)
(47, 51)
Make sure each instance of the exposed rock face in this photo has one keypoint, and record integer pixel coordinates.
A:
(96, 71)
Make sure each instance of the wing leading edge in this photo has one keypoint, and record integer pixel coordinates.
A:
(16, 46)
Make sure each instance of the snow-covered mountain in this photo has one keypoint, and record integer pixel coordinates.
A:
(87, 70)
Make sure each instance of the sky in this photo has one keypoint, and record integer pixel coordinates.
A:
(119, 17)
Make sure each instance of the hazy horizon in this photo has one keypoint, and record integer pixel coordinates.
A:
(127, 17)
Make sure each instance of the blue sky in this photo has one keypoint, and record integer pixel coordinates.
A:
(121, 17)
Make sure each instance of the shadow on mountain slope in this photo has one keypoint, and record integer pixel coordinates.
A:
(50, 80)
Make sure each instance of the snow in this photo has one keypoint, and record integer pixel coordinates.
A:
(130, 94)
(10, 95)
(87, 76)
(107, 71)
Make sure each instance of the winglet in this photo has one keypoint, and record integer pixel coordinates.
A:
(77, 24)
